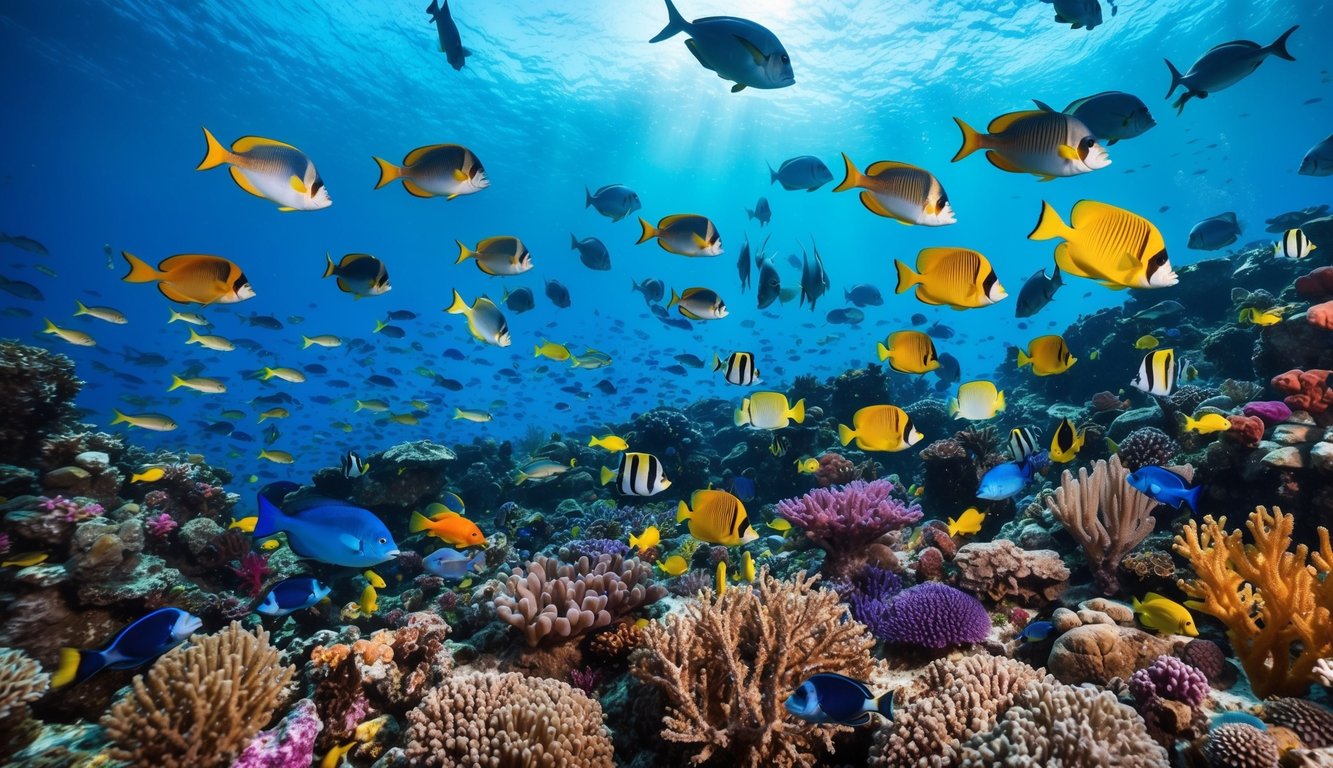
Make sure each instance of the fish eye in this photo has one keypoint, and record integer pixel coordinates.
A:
(786, 59)
(383, 540)
(1088, 141)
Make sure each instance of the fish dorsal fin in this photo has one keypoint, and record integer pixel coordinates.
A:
(182, 259)
(1241, 43)
(415, 189)
(1151, 596)
(420, 152)
(1086, 211)
(1003, 163)
(442, 514)
(352, 258)
(1004, 122)
(751, 49)
(669, 221)
(247, 143)
(931, 258)
(873, 205)
(881, 166)
(238, 176)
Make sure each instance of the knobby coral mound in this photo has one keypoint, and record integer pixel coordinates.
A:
(999, 569)
(555, 602)
(1310, 722)
(1146, 446)
(38, 389)
(1238, 745)
(200, 705)
(933, 615)
(724, 664)
(506, 720)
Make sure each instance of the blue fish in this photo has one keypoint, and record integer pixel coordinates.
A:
(742, 488)
(832, 698)
(291, 595)
(1037, 631)
(326, 530)
(137, 644)
(1005, 480)
(1165, 487)
(452, 565)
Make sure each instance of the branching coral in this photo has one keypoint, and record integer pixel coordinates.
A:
(727, 663)
(553, 602)
(1106, 516)
(507, 721)
(844, 521)
(1277, 604)
(198, 706)
(22, 681)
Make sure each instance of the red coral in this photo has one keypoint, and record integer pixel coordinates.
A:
(834, 470)
(1246, 431)
(252, 571)
(936, 534)
(1317, 285)
(1321, 315)
(1309, 391)
(929, 564)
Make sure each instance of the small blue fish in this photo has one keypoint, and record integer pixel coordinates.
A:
(1037, 631)
(137, 644)
(1165, 487)
(1005, 480)
(742, 488)
(291, 595)
(330, 531)
(832, 698)
(452, 565)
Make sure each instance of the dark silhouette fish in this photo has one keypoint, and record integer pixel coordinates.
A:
(557, 293)
(451, 45)
(1037, 292)
(652, 289)
(770, 284)
(814, 280)
(761, 211)
(592, 252)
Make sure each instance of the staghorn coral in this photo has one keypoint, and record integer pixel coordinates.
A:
(1106, 516)
(198, 706)
(552, 603)
(723, 666)
(1311, 723)
(999, 570)
(22, 682)
(954, 700)
(1238, 745)
(845, 521)
(506, 721)
(1146, 446)
(1277, 604)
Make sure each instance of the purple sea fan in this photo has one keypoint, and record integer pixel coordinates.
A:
(1169, 678)
(934, 615)
(844, 520)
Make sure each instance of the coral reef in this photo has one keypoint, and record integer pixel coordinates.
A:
(550, 602)
(288, 744)
(932, 615)
(845, 521)
(1311, 723)
(22, 681)
(1147, 446)
(38, 389)
(1000, 570)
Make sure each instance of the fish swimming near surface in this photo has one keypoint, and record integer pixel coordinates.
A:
(291, 595)
(592, 252)
(141, 642)
(447, 170)
(614, 201)
(828, 697)
(359, 274)
(1045, 144)
(451, 45)
(1118, 248)
(277, 172)
(899, 191)
(484, 320)
(325, 530)
(1080, 14)
(1111, 115)
(1223, 66)
(1319, 160)
(804, 172)
(738, 50)
(1215, 233)
(192, 278)
(760, 211)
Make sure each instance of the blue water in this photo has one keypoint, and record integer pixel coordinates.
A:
(104, 103)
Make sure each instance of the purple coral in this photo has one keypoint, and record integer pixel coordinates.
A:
(587, 679)
(4, 544)
(870, 595)
(289, 744)
(69, 510)
(843, 521)
(161, 525)
(1271, 411)
(593, 549)
(933, 615)
(1169, 678)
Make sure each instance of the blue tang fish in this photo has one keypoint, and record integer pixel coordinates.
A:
(291, 595)
(832, 698)
(137, 644)
(452, 565)
(1165, 487)
(330, 531)
(1037, 631)
(1005, 480)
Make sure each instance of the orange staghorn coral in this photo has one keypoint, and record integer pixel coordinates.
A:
(1277, 604)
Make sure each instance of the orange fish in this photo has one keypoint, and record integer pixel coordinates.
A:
(448, 526)
(191, 278)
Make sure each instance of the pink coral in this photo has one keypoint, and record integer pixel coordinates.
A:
(70, 510)
(289, 744)
(844, 521)
(1310, 391)
(1317, 285)
(252, 570)
(161, 525)
(1321, 315)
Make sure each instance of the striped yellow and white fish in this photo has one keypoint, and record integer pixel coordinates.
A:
(1048, 356)
(193, 318)
(977, 401)
(909, 352)
(1023, 442)
(105, 314)
(768, 410)
(686, 234)
(484, 320)
(275, 171)
(1293, 245)
(326, 340)
(1066, 442)
(1045, 144)
(446, 170)
(955, 277)
(474, 416)
(1112, 245)
(717, 517)
(880, 428)
(78, 338)
(698, 304)
(502, 255)
(739, 368)
(899, 191)
(639, 474)
(1159, 373)
(290, 375)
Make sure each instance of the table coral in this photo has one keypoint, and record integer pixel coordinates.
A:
(1277, 603)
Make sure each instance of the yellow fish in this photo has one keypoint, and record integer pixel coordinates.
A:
(1205, 424)
(720, 582)
(769, 410)
(1048, 356)
(375, 579)
(334, 757)
(646, 540)
(780, 524)
(274, 413)
(246, 524)
(198, 384)
(25, 560)
(967, 523)
(673, 566)
(717, 517)
(747, 567)
(1066, 442)
(1147, 341)
(954, 277)
(551, 351)
(325, 340)
(909, 352)
(286, 374)
(1265, 318)
(78, 338)
(899, 191)
(976, 401)
(807, 466)
(270, 545)
(609, 442)
(150, 475)
(105, 314)
(686, 234)
(1109, 244)
(1094, 354)
(374, 406)
(277, 172)
(154, 422)
(367, 731)
(880, 428)
(277, 457)
(406, 419)
(215, 343)
(1164, 615)
(478, 417)
(369, 602)
(193, 318)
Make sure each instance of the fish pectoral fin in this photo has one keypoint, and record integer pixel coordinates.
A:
(737, 88)
(752, 49)
(699, 242)
(460, 175)
(1067, 152)
(244, 182)
(297, 184)
(350, 541)
(694, 49)
(285, 209)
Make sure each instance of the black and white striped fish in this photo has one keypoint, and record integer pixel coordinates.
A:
(639, 474)
(1159, 372)
(1023, 442)
(353, 466)
(739, 368)
(1293, 245)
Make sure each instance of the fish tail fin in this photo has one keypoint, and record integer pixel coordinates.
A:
(464, 253)
(1049, 224)
(140, 270)
(999, 402)
(329, 267)
(607, 475)
(1185, 421)
(75, 666)
(717, 362)
(458, 306)
(268, 519)
(649, 231)
(267, 373)
(882, 351)
(306, 342)
(1135, 604)
(852, 177)
(388, 172)
(587, 198)
(593, 442)
(1191, 497)
(120, 418)
(574, 242)
(379, 326)
(1279, 46)
(884, 705)
(675, 24)
(419, 523)
(433, 8)
(1177, 79)
(80, 308)
(772, 174)
(906, 277)
(971, 140)
(845, 434)
(682, 511)
(634, 541)
(675, 299)
(797, 412)
(215, 155)
(176, 383)
(953, 407)
(1023, 359)
(1057, 279)
(50, 326)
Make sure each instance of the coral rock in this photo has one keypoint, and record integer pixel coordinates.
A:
(1096, 653)
(1309, 391)
(999, 569)
(1246, 431)
(289, 744)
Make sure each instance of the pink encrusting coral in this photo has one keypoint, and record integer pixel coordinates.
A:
(844, 521)
(160, 526)
(70, 510)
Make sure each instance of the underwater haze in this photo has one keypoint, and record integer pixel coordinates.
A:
(366, 322)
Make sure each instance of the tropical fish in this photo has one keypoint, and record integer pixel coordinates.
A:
(976, 401)
(698, 304)
(740, 368)
(149, 475)
(198, 384)
(760, 211)
(154, 422)
(352, 465)
(592, 252)
(1215, 233)
(880, 428)
(646, 540)
(141, 642)
(1164, 615)
(1206, 424)
(325, 530)
(720, 577)
(446, 523)
(967, 523)
(1147, 342)
(614, 201)
(1048, 356)
(1158, 373)
(1109, 244)
(828, 697)
(276, 456)
(652, 289)
(105, 314)
(804, 172)
(899, 191)
(779, 446)
(451, 45)
(452, 565)
(540, 469)
(1165, 487)
(279, 412)
(190, 278)
(275, 171)
(502, 255)
(1263, 318)
(290, 375)
(24, 243)
(686, 234)
(436, 169)
(291, 595)
(735, 49)
(1045, 144)
(768, 410)
(472, 415)
(863, 295)
(747, 567)
(639, 474)
(325, 340)
(1111, 115)
(814, 279)
(1037, 631)
(1223, 66)
(674, 565)
(1023, 442)
(551, 351)
(484, 320)
(78, 338)
(716, 517)
(1293, 245)
(1079, 14)
(1319, 160)
(1067, 441)
(557, 293)
(955, 277)
(192, 318)
(611, 443)
(359, 274)
(25, 560)
(1005, 480)
(369, 601)
(807, 466)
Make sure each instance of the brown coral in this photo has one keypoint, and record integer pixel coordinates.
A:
(725, 666)
(615, 644)
(1000, 569)
(1238, 745)
(199, 706)
(553, 602)
(38, 389)
(22, 681)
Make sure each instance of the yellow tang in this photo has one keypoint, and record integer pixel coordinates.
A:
(954, 277)
(1109, 244)
(1165, 615)
(551, 351)
(369, 601)
(1205, 424)
(781, 524)
(1048, 356)
(1066, 442)
(967, 523)
(374, 578)
(717, 517)
(769, 410)
(270, 545)
(977, 401)
(880, 428)
(674, 565)
(646, 540)
(150, 475)
(609, 442)
(246, 524)
(909, 352)
(25, 560)
(747, 567)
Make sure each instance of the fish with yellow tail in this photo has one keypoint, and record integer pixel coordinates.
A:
(192, 278)
(215, 343)
(976, 401)
(611, 443)
(1261, 317)
(899, 191)
(1048, 356)
(269, 169)
(1206, 424)
(77, 338)
(105, 314)
(149, 475)
(639, 474)
(768, 410)
(1165, 615)
(747, 567)
(740, 369)
(484, 320)
(880, 428)
(436, 170)
(334, 757)
(808, 465)
(1067, 442)
(646, 540)
(698, 304)
(1045, 144)
(153, 422)
(198, 384)
(674, 565)
(716, 517)
(909, 352)
(967, 523)
(685, 234)
(1159, 373)
(953, 277)
(359, 274)
(1111, 245)
(501, 255)
(1293, 245)
(369, 602)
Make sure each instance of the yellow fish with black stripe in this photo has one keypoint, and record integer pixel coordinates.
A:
(954, 277)
(275, 171)
(880, 428)
(768, 410)
(1048, 356)
(1159, 372)
(1118, 248)
(1067, 442)
(909, 352)
(716, 517)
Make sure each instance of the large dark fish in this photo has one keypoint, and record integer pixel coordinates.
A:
(743, 265)
(519, 301)
(814, 280)
(451, 45)
(652, 289)
(1037, 292)
(557, 293)
(20, 289)
(592, 252)
(770, 285)
(761, 211)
